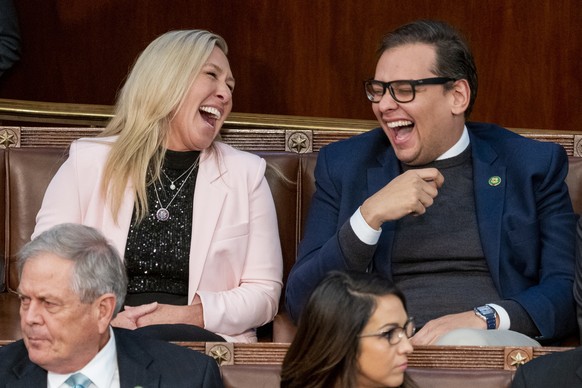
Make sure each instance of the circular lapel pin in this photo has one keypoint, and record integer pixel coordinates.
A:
(494, 181)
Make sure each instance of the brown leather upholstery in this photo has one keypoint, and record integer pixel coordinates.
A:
(9, 317)
(460, 378)
(574, 182)
(268, 376)
(251, 376)
(283, 328)
(29, 173)
(3, 255)
(282, 172)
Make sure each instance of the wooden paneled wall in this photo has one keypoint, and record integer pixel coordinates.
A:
(307, 57)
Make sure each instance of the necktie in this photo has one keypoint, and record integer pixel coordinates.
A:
(78, 380)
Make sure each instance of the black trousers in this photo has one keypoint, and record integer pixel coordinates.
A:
(179, 332)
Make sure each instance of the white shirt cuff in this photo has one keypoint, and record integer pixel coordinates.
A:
(504, 321)
(365, 232)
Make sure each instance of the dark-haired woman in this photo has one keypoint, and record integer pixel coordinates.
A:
(354, 332)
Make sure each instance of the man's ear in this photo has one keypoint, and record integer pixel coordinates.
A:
(105, 306)
(460, 97)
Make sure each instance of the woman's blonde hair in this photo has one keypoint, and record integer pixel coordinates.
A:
(152, 93)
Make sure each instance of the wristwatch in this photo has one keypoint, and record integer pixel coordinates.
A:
(486, 313)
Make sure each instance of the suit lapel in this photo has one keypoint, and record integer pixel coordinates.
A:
(209, 196)
(134, 363)
(489, 183)
(28, 375)
(378, 177)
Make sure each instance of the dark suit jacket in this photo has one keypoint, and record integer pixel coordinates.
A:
(142, 362)
(526, 223)
(561, 369)
(9, 35)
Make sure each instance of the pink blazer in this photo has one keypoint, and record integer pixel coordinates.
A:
(236, 264)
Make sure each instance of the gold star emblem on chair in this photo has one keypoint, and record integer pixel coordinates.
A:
(518, 359)
(298, 141)
(8, 138)
(221, 353)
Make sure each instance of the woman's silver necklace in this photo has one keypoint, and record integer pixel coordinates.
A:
(172, 185)
(163, 214)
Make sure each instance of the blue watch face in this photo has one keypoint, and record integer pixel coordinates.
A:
(485, 310)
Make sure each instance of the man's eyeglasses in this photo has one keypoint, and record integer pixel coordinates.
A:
(402, 90)
(395, 334)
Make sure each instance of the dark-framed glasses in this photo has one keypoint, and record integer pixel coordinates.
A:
(394, 335)
(401, 90)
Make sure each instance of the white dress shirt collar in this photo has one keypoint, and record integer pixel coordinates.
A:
(460, 146)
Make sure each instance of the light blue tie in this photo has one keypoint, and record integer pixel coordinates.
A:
(78, 380)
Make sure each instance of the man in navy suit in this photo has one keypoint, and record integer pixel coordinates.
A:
(472, 222)
(72, 284)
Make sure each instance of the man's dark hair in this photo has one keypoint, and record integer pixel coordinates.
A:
(453, 55)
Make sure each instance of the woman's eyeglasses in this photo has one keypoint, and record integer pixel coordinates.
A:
(395, 334)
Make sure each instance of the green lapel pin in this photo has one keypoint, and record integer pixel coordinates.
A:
(494, 181)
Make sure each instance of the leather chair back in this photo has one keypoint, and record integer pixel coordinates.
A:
(29, 173)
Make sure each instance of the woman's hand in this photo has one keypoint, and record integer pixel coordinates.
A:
(167, 314)
(128, 318)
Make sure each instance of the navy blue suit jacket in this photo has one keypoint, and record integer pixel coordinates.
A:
(526, 223)
(142, 362)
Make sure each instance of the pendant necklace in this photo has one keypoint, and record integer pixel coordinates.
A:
(172, 185)
(163, 214)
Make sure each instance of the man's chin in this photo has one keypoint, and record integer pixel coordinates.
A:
(407, 156)
(37, 347)
(39, 357)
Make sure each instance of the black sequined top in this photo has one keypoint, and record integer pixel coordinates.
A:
(157, 253)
